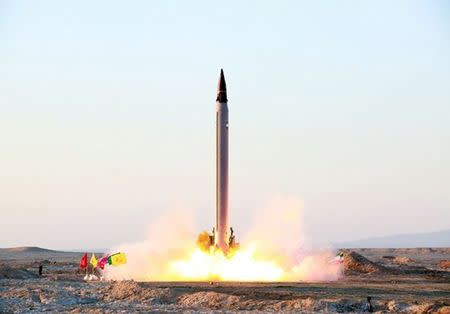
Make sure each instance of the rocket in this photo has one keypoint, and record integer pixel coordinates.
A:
(222, 237)
(221, 233)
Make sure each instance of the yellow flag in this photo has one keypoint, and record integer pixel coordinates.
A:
(117, 259)
(93, 260)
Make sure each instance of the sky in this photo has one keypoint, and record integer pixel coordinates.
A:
(107, 115)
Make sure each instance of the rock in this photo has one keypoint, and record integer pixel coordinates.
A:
(308, 304)
(444, 310)
(7, 272)
(132, 291)
(402, 260)
(393, 306)
(444, 264)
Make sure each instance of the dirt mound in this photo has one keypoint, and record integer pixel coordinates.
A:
(354, 262)
(402, 260)
(444, 264)
(7, 272)
(133, 291)
(308, 304)
(444, 310)
(209, 299)
(436, 307)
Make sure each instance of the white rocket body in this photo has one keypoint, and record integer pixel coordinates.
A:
(222, 226)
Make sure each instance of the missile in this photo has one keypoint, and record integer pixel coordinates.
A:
(221, 233)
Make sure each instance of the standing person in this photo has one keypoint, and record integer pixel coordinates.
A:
(40, 269)
(369, 306)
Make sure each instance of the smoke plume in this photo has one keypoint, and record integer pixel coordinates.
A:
(274, 245)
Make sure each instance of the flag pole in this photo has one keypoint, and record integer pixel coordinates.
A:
(87, 269)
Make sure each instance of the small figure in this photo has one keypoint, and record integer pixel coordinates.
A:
(40, 270)
(232, 239)
(212, 237)
(369, 306)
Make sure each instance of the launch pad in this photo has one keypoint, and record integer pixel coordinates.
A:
(206, 242)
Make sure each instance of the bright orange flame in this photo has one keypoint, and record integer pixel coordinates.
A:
(241, 265)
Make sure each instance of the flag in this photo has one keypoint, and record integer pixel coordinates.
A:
(93, 261)
(83, 261)
(117, 259)
(102, 262)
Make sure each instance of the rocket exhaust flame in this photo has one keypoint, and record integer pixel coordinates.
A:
(169, 255)
(238, 266)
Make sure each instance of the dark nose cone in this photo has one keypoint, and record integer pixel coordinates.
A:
(222, 89)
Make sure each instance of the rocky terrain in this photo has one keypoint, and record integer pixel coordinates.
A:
(397, 280)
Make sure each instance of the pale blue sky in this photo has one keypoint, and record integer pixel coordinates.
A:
(107, 115)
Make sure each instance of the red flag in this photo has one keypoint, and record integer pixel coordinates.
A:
(84, 261)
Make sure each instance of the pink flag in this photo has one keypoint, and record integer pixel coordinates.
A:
(103, 261)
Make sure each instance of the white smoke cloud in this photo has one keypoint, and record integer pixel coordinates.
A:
(168, 237)
(277, 233)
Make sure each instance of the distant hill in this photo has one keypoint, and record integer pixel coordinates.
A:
(39, 250)
(27, 249)
(430, 239)
(34, 253)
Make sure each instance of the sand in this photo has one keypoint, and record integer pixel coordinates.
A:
(398, 280)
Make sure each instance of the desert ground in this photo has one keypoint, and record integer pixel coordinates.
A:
(397, 280)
